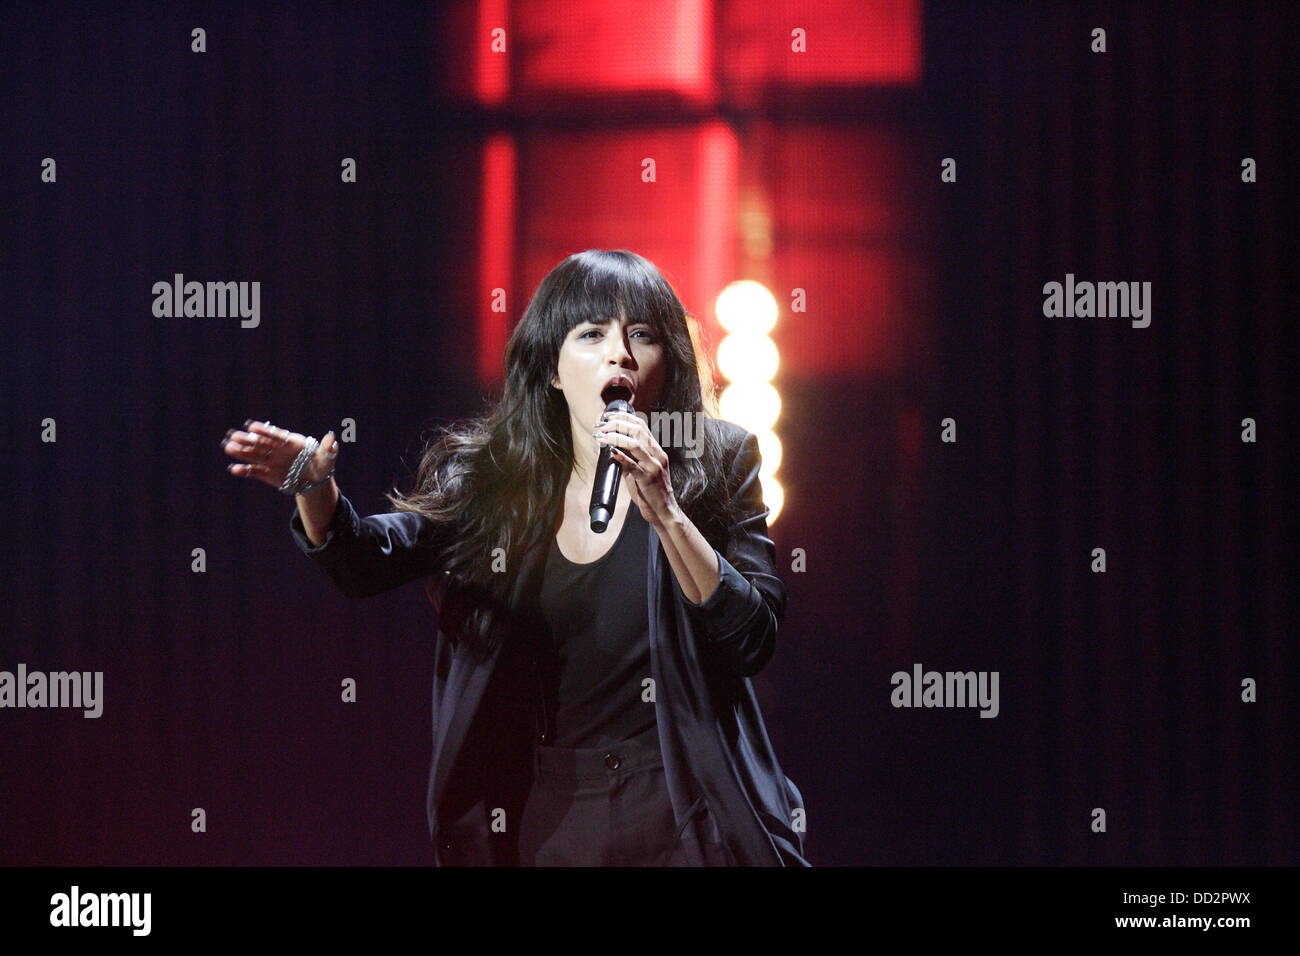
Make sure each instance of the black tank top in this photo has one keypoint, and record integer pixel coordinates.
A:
(593, 669)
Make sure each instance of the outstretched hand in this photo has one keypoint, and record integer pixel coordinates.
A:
(265, 452)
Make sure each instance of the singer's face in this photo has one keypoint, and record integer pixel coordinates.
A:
(592, 353)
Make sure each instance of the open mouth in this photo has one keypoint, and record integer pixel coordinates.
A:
(617, 391)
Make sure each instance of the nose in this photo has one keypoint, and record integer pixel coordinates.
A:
(619, 352)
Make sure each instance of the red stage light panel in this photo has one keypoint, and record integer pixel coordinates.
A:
(848, 230)
(848, 43)
(492, 29)
(593, 46)
(496, 253)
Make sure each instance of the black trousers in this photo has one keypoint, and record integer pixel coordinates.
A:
(600, 806)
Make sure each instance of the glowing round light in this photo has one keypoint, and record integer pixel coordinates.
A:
(773, 496)
(754, 405)
(769, 446)
(746, 307)
(748, 358)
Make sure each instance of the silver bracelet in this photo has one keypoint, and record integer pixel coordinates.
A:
(302, 490)
(291, 481)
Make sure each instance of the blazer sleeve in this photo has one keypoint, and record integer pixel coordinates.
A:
(742, 615)
(367, 556)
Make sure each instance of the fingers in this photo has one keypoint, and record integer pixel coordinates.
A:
(629, 464)
(625, 459)
(265, 428)
(627, 417)
(247, 446)
(623, 423)
(617, 427)
(631, 432)
(261, 437)
(624, 445)
(639, 499)
(614, 439)
(261, 449)
(253, 446)
(245, 470)
(322, 464)
(273, 434)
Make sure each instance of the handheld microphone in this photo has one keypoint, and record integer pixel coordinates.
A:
(604, 489)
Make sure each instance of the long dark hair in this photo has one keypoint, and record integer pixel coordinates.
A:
(498, 481)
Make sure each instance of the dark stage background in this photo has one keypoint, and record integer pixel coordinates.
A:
(1119, 691)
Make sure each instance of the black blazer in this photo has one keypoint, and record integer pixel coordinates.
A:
(733, 804)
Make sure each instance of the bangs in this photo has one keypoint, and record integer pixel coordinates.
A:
(612, 286)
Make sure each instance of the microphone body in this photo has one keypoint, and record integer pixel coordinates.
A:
(604, 489)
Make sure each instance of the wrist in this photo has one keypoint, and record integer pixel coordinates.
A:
(673, 521)
(321, 492)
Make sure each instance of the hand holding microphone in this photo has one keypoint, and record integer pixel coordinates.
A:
(609, 471)
(628, 444)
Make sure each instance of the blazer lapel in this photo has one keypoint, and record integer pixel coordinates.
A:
(469, 676)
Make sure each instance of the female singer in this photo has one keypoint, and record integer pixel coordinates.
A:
(592, 698)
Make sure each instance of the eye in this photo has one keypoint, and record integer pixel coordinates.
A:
(648, 335)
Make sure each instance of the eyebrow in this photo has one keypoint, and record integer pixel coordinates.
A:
(604, 322)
